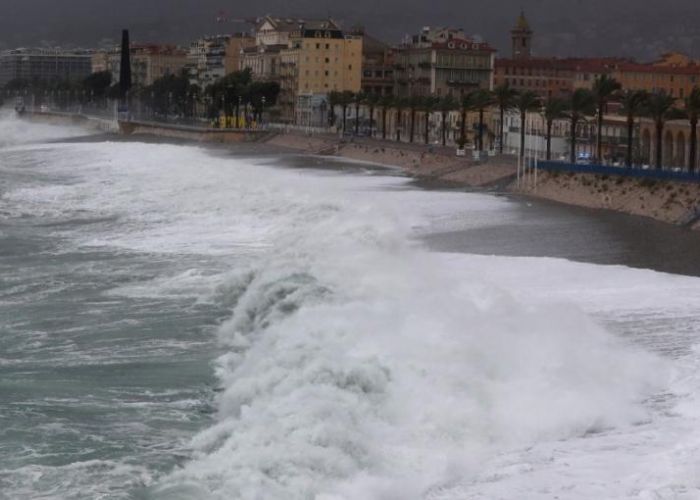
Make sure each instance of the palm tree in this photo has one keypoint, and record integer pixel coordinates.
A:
(385, 102)
(481, 99)
(525, 103)
(446, 105)
(582, 104)
(359, 99)
(372, 101)
(428, 104)
(633, 104)
(334, 98)
(414, 103)
(604, 89)
(346, 98)
(660, 108)
(399, 105)
(692, 109)
(466, 105)
(504, 97)
(554, 109)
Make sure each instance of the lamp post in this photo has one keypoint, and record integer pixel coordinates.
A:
(238, 111)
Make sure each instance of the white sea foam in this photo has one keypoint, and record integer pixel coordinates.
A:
(15, 131)
(357, 365)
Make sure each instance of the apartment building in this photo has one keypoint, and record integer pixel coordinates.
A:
(148, 62)
(214, 57)
(309, 58)
(441, 62)
(44, 64)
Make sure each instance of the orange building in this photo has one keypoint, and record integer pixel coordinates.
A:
(677, 81)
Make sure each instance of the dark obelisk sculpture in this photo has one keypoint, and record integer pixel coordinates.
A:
(124, 78)
(125, 67)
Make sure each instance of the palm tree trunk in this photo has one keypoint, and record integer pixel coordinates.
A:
(481, 129)
(630, 132)
(463, 126)
(444, 128)
(659, 135)
(522, 135)
(357, 119)
(572, 154)
(413, 123)
(501, 129)
(549, 140)
(371, 120)
(345, 112)
(693, 144)
(384, 123)
(398, 125)
(599, 136)
(427, 126)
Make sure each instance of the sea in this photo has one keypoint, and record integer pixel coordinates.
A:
(185, 323)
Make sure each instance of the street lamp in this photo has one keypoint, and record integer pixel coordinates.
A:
(238, 111)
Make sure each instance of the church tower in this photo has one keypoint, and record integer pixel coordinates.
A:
(521, 35)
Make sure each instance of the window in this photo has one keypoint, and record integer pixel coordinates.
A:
(349, 66)
(318, 45)
(327, 60)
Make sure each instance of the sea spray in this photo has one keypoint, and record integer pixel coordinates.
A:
(362, 367)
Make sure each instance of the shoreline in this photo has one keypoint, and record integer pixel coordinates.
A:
(671, 202)
(668, 201)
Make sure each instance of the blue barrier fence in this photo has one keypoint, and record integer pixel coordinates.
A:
(650, 173)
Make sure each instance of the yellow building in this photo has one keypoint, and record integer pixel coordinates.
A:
(319, 58)
(149, 62)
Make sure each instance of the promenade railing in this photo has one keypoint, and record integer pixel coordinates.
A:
(638, 172)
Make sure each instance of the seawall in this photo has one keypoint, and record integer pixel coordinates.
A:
(435, 164)
(190, 133)
(668, 201)
(77, 119)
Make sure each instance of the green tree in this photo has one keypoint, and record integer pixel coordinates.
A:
(97, 84)
(553, 109)
(526, 102)
(633, 105)
(604, 89)
(504, 97)
(581, 105)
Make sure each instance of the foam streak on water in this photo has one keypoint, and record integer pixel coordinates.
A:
(351, 362)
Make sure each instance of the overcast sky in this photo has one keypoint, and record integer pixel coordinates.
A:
(641, 28)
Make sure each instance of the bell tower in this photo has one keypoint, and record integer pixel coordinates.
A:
(521, 35)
